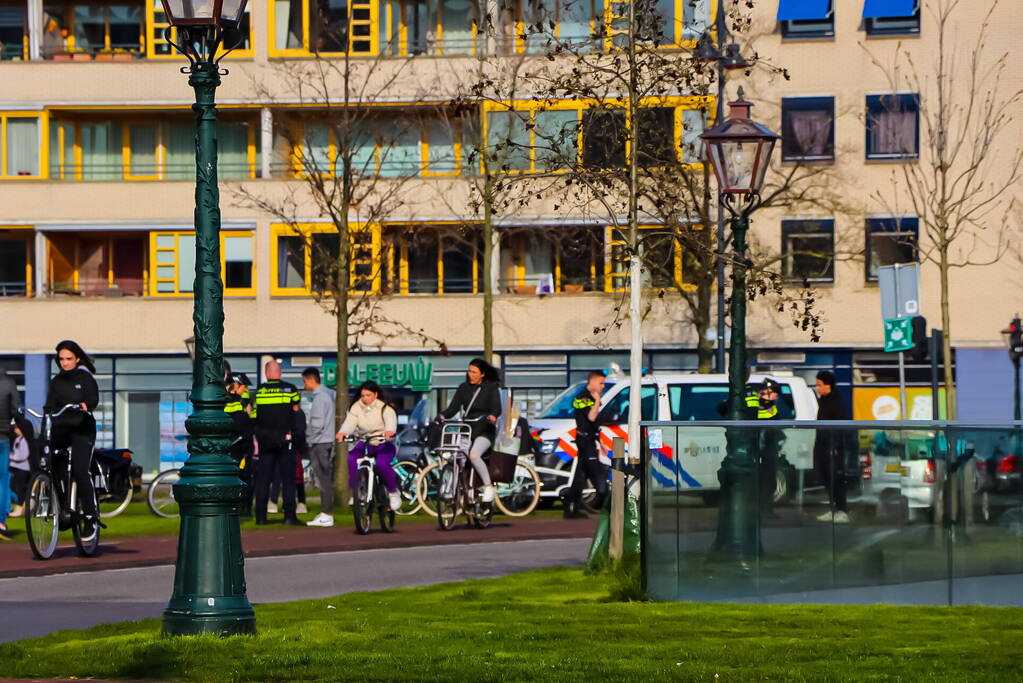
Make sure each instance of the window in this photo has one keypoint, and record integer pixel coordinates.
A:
(325, 27)
(556, 258)
(13, 32)
(126, 149)
(692, 402)
(435, 27)
(617, 410)
(604, 138)
(96, 263)
(15, 261)
(157, 46)
(533, 140)
(434, 260)
(808, 128)
(890, 241)
(97, 31)
(806, 18)
(893, 126)
(172, 263)
(306, 256)
(662, 259)
(891, 17)
(21, 148)
(808, 250)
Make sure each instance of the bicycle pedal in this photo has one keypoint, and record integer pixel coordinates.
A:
(101, 524)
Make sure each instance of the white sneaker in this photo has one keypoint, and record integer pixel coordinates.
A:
(351, 501)
(488, 495)
(841, 517)
(395, 500)
(271, 508)
(301, 509)
(322, 519)
(826, 517)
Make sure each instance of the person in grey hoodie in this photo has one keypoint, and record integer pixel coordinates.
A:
(319, 435)
(8, 407)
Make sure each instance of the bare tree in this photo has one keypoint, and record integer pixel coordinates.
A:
(962, 188)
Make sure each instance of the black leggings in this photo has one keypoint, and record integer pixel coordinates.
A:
(591, 468)
(81, 440)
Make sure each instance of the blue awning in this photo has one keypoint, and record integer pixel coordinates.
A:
(789, 10)
(873, 9)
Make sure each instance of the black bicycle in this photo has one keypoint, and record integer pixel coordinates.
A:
(52, 503)
(370, 494)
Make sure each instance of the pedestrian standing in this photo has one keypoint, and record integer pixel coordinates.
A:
(239, 408)
(586, 407)
(19, 471)
(274, 411)
(8, 407)
(762, 404)
(320, 439)
(829, 449)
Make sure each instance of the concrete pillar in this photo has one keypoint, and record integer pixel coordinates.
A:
(39, 269)
(35, 29)
(266, 141)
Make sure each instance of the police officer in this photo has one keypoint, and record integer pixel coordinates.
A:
(239, 407)
(586, 407)
(762, 404)
(275, 406)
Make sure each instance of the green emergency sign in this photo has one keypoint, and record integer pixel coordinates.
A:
(416, 374)
(898, 334)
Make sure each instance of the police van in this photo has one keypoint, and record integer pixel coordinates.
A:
(680, 398)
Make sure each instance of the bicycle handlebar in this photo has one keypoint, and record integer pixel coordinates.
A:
(69, 406)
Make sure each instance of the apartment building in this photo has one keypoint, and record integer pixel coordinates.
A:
(96, 190)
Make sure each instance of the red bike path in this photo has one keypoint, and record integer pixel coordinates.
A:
(144, 551)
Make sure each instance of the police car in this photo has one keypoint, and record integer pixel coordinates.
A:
(680, 398)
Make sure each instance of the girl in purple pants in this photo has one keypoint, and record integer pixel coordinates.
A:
(372, 416)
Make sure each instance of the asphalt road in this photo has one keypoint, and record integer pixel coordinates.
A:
(35, 606)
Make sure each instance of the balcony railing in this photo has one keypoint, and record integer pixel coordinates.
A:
(103, 287)
(14, 288)
(167, 171)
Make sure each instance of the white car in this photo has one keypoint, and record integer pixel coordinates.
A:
(681, 398)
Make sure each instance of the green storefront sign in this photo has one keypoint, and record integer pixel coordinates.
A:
(416, 374)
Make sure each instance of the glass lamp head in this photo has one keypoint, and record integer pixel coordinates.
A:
(740, 150)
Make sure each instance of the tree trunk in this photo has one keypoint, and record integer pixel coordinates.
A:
(488, 267)
(342, 279)
(635, 256)
(946, 347)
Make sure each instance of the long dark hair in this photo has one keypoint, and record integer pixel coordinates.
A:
(83, 358)
(370, 385)
(490, 373)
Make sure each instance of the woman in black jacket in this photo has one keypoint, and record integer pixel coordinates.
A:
(75, 385)
(479, 396)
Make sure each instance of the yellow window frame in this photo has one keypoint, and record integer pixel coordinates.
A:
(615, 237)
(306, 231)
(168, 256)
(424, 145)
(373, 6)
(297, 151)
(156, 22)
(438, 29)
(42, 127)
(106, 49)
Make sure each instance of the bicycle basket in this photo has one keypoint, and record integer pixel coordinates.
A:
(456, 436)
(501, 466)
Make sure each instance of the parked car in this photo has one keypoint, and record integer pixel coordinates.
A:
(681, 398)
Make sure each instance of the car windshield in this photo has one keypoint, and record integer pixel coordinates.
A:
(702, 401)
(561, 407)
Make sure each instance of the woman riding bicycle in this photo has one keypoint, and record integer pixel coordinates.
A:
(478, 398)
(75, 385)
(372, 417)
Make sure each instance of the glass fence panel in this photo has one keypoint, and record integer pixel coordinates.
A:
(831, 512)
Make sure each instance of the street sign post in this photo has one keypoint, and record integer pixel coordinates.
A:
(900, 301)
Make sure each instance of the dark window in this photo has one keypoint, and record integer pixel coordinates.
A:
(326, 251)
(457, 258)
(291, 261)
(604, 136)
(806, 18)
(422, 261)
(808, 128)
(13, 31)
(656, 133)
(890, 241)
(13, 264)
(691, 402)
(893, 126)
(617, 411)
(808, 250)
(329, 25)
(891, 17)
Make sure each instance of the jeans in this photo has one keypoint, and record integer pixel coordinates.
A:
(5, 478)
(384, 454)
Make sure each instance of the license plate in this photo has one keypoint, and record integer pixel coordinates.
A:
(893, 467)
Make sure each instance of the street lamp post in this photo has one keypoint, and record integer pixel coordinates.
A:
(740, 151)
(1013, 336)
(209, 576)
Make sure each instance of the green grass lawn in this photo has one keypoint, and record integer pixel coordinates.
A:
(554, 624)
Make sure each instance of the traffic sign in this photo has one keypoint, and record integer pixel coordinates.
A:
(898, 334)
(900, 290)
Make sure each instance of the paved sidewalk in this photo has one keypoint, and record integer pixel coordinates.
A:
(145, 551)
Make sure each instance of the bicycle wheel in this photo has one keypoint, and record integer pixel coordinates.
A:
(447, 505)
(427, 485)
(160, 495)
(408, 478)
(361, 509)
(521, 496)
(384, 510)
(42, 511)
(85, 548)
(116, 504)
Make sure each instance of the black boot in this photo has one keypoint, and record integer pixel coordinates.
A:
(572, 511)
(293, 521)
